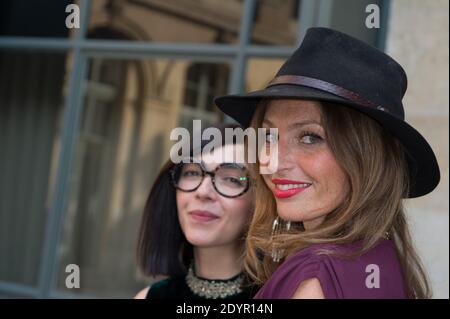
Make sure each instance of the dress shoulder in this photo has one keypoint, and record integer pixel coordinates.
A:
(294, 270)
(374, 274)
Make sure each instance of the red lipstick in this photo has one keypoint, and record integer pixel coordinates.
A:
(285, 188)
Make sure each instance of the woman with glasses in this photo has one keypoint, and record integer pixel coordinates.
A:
(194, 225)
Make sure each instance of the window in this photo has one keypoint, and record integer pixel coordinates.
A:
(203, 82)
(31, 99)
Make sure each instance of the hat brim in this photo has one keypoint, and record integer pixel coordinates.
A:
(423, 167)
(242, 106)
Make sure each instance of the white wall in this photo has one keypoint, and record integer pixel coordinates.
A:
(418, 39)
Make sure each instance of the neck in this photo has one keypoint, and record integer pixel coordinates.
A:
(221, 262)
(313, 223)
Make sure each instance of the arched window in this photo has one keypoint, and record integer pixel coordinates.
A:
(204, 81)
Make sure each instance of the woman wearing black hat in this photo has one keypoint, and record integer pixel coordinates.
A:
(333, 211)
(194, 224)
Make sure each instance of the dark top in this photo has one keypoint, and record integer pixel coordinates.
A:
(177, 288)
(375, 274)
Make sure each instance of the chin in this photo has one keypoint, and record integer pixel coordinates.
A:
(289, 212)
(200, 241)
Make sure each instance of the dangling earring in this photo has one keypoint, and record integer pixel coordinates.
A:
(277, 228)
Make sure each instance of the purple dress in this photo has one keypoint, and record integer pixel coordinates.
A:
(375, 274)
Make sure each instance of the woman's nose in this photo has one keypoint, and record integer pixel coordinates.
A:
(206, 189)
(285, 156)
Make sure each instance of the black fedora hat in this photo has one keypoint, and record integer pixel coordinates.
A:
(335, 67)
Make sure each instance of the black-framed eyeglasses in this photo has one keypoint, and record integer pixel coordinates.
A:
(229, 179)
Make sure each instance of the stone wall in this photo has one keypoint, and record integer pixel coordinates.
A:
(418, 38)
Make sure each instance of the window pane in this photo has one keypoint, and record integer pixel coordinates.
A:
(206, 21)
(129, 110)
(275, 22)
(205, 81)
(36, 18)
(31, 86)
(350, 17)
(260, 72)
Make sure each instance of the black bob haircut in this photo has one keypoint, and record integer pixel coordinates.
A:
(162, 248)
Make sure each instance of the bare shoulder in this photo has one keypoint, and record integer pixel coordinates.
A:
(309, 289)
(142, 294)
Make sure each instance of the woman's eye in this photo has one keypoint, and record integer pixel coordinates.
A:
(235, 181)
(190, 173)
(310, 138)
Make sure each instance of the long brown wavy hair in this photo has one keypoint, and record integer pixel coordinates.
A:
(377, 170)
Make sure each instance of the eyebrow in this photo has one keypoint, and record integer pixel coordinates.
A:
(298, 124)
